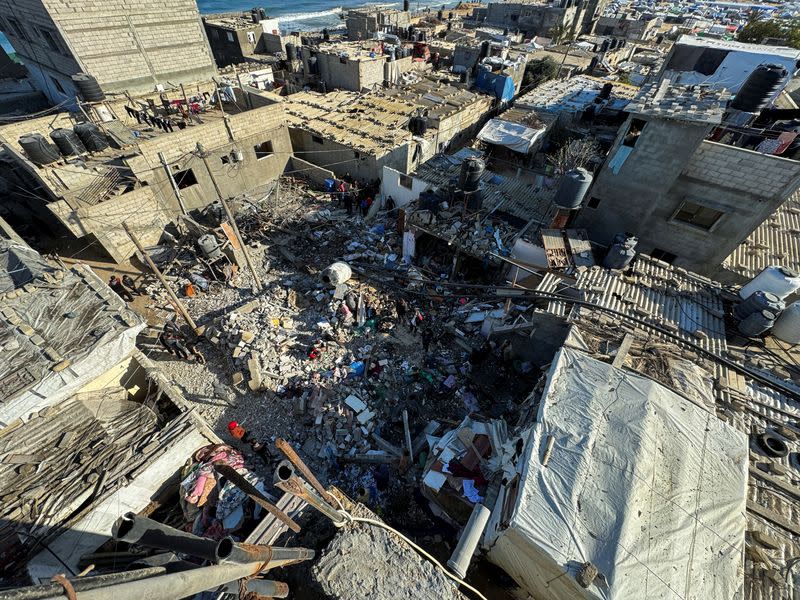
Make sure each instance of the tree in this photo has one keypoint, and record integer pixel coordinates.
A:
(758, 28)
(574, 154)
(539, 71)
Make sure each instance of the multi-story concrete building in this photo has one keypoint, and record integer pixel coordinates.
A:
(151, 172)
(363, 23)
(690, 200)
(126, 46)
(633, 29)
(351, 66)
(567, 17)
(234, 37)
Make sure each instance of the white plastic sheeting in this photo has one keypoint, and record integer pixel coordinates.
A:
(513, 136)
(642, 483)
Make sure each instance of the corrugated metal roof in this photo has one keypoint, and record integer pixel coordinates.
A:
(775, 242)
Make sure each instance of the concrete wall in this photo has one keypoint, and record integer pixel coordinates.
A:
(229, 51)
(672, 164)
(402, 195)
(349, 74)
(125, 47)
(342, 160)
(309, 171)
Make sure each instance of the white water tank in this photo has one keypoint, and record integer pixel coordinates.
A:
(787, 327)
(780, 281)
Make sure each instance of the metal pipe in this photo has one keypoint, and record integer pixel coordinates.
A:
(289, 452)
(261, 587)
(297, 487)
(134, 529)
(79, 584)
(171, 586)
(230, 552)
(468, 542)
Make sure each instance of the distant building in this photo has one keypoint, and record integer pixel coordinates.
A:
(91, 194)
(235, 37)
(541, 19)
(628, 28)
(126, 46)
(363, 23)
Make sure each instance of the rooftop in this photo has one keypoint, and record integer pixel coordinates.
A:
(358, 51)
(705, 42)
(575, 94)
(232, 21)
(775, 242)
(684, 102)
(49, 324)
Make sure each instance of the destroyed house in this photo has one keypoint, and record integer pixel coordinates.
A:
(502, 210)
(116, 172)
(692, 175)
(659, 438)
(399, 128)
(90, 427)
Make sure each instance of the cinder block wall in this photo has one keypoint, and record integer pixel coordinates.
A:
(126, 44)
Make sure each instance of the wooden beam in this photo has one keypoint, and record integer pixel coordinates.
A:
(790, 489)
(622, 351)
(773, 517)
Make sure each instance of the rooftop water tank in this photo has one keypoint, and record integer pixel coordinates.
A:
(756, 302)
(472, 169)
(760, 86)
(780, 281)
(68, 142)
(291, 51)
(406, 5)
(787, 327)
(88, 87)
(621, 252)
(573, 187)
(605, 93)
(38, 149)
(93, 139)
(757, 323)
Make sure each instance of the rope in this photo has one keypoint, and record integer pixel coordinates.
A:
(66, 584)
(348, 518)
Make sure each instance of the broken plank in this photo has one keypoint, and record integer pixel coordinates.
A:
(23, 459)
(773, 517)
(790, 489)
(622, 351)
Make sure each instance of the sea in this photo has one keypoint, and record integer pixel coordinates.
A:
(300, 15)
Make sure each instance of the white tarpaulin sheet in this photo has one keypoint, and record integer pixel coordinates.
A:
(514, 136)
(642, 483)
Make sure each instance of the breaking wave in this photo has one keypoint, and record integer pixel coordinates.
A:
(306, 16)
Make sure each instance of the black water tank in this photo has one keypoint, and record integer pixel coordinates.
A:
(326, 35)
(484, 49)
(68, 142)
(91, 136)
(505, 31)
(605, 93)
(254, 16)
(449, 15)
(471, 170)
(759, 88)
(88, 87)
(406, 5)
(262, 12)
(291, 51)
(440, 15)
(418, 125)
(463, 77)
(38, 149)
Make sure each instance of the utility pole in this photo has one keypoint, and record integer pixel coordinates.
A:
(231, 220)
(172, 181)
(181, 308)
(247, 100)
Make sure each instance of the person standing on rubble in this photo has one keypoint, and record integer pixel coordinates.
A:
(191, 345)
(115, 284)
(415, 321)
(401, 306)
(427, 338)
(348, 201)
(365, 205)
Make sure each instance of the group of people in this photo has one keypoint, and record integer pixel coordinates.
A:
(348, 192)
(125, 288)
(176, 343)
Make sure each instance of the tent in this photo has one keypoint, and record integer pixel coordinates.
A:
(515, 136)
(626, 475)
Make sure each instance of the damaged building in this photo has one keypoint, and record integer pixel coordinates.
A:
(399, 127)
(137, 161)
(90, 426)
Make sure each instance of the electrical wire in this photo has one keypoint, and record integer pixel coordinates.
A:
(348, 518)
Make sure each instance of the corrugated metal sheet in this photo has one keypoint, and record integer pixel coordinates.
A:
(775, 242)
